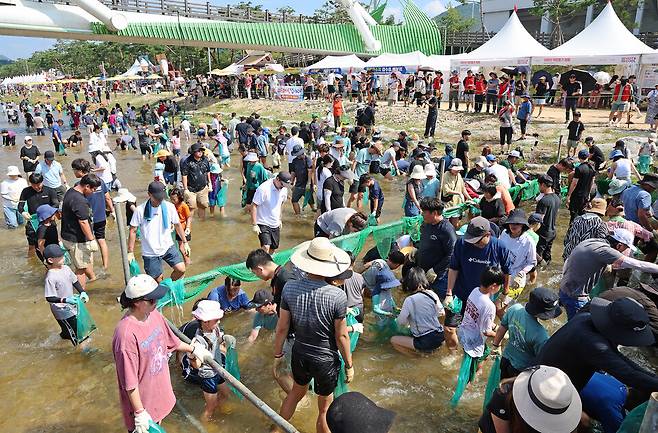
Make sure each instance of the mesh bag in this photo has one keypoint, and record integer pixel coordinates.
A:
(351, 320)
(341, 386)
(85, 325)
(233, 367)
(175, 295)
(34, 220)
(492, 382)
(154, 428)
(134, 268)
(455, 306)
(467, 373)
(412, 226)
(222, 194)
(308, 198)
(384, 236)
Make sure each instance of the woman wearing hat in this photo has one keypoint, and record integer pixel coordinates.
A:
(414, 191)
(522, 251)
(505, 117)
(541, 399)
(492, 91)
(170, 166)
(141, 345)
(11, 189)
(453, 190)
(541, 90)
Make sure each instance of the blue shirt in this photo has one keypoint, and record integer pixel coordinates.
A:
(363, 159)
(267, 321)
(57, 132)
(603, 399)
(220, 295)
(526, 337)
(471, 261)
(431, 187)
(97, 203)
(635, 198)
(375, 192)
(51, 173)
(524, 110)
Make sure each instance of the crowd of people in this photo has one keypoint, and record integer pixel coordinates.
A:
(463, 279)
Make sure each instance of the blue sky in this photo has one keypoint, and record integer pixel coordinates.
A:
(18, 47)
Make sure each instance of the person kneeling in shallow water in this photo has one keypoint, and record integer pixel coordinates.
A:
(420, 311)
(209, 336)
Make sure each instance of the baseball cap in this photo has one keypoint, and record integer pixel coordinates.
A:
(476, 230)
(49, 155)
(53, 251)
(514, 154)
(261, 297)
(284, 177)
(144, 286)
(491, 157)
(583, 153)
(535, 218)
(27, 138)
(157, 190)
(625, 237)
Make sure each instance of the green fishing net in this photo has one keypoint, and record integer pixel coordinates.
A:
(155, 428)
(599, 288)
(84, 323)
(351, 320)
(134, 268)
(233, 367)
(308, 198)
(341, 386)
(633, 420)
(527, 190)
(222, 195)
(492, 382)
(644, 164)
(411, 226)
(602, 185)
(467, 373)
(34, 220)
(175, 295)
(455, 305)
(353, 242)
(385, 236)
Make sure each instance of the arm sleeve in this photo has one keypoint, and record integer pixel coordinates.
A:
(258, 197)
(127, 365)
(630, 263)
(405, 313)
(614, 363)
(449, 245)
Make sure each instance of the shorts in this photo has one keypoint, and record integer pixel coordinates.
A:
(153, 265)
(269, 236)
(69, 328)
(384, 170)
(469, 97)
(507, 370)
(145, 149)
(323, 371)
(429, 342)
(81, 257)
(250, 196)
(619, 106)
(297, 193)
(540, 101)
(99, 229)
(31, 235)
(197, 199)
(207, 384)
(572, 144)
(354, 187)
(331, 88)
(453, 320)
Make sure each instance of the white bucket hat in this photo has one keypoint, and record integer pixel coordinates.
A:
(418, 172)
(320, 257)
(251, 157)
(547, 400)
(144, 286)
(208, 310)
(124, 195)
(456, 164)
(12, 170)
(430, 170)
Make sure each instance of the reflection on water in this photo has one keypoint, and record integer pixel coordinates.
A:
(49, 386)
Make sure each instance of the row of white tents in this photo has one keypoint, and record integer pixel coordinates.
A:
(606, 41)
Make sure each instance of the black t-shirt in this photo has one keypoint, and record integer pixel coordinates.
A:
(433, 105)
(75, 208)
(585, 174)
(305, 134)
(196, 172)
(554, 174)
(281, 277)
(337, 189)
(74, 139)
(541, 89)
(31, 152)
(492, 209)
(33, 199)
(300, 166)
(241, 129)
(576, 129)
(548, 206)
(462, 148)
(571, 88)
(49, 233)
(436, 244)
(497, 406)
(596, 156)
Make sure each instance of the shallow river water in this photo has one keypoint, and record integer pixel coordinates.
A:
(47, 386)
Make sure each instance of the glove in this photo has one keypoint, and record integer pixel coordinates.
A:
(186, 249)
(92, 245)
(230, 341)
(130, 257)
(496, 351)
(447, 302)
(84, 297)
(70, 300)
(209, 188)
(200, 352)
(349, 374)
(351, 311)
(27, 216)
(255, 229)
(431, 275)
(142, 421)
(357, 327)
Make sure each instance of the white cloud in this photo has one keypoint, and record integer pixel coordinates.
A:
(396, 12)
(434, 8)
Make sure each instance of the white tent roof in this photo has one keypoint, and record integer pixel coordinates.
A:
(512, 45)
(605, 41)
(404, 63)
(650, 58)
(345, 64)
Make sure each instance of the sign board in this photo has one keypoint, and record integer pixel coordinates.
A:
(387, 69)
(289, 93)
(586, 60)
(324, 70)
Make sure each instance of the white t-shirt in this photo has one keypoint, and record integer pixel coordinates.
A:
(478, 318)
(185, 125)
(292, 141)
(268, 200)
(502, 175)
(324, 174)
(156, 239)
(11, 191)
(97, 142)
(106, 174)
(387, 158)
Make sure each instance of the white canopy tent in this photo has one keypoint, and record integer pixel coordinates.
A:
(403, 63)
(606, 41)
(340, 64)
(511, 46)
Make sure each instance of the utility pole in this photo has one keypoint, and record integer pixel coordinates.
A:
(209, 61)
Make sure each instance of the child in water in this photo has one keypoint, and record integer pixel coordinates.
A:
(265, 316)
(216, 197)
(209, 335)
(383, 304)
(59, 285)
(185, 217)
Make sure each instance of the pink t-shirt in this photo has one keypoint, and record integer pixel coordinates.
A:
(175, 142)
(141, 353)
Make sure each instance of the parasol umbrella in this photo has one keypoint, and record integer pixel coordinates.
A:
(154, 77)
(602, 77)
(293, 71)
(252, 71)
(584, 77)
(426, 69)
(542, 73)
(516, 71)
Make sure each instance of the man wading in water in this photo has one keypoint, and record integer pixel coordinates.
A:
(317, 311)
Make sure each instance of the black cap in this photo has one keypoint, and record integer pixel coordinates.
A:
(543, 304)
(545, 179)
(624, 322)
(195, 147)
(354, 412)
(284, 177)
(535, 218)
(49, 155)
(53, 251)
(157, 190)
(477, 228)
(262, 297)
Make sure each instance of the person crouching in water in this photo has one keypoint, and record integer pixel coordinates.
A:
(209, 336)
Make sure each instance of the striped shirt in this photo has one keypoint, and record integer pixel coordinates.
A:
(638, 231)
(586, 226)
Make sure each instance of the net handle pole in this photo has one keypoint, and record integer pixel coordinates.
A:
(442, 169)
(650, 420)
(123, 239)
(246, 392)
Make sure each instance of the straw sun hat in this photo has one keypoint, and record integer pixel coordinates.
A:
(320, 257)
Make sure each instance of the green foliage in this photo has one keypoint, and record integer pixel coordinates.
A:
(625, 10)
(555, 10)
(247, 5)
(454, 21)
(332, 12)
